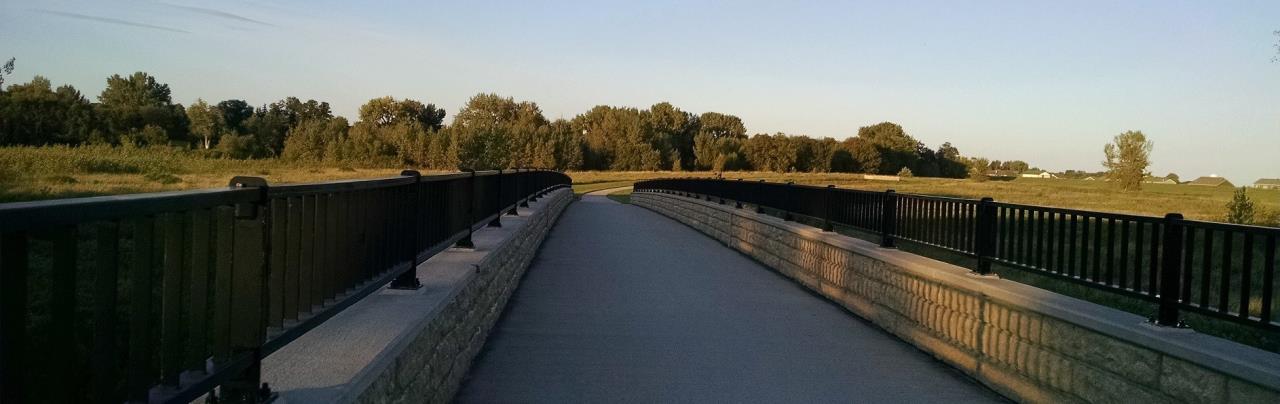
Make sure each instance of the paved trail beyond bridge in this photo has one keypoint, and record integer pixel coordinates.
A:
(623, 304)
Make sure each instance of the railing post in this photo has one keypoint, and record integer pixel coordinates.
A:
(497, 219)
(759, 195)
(787, 198)
(249, 301)
(721, 187)
(409, 279)
(985, 239)
(1170, 268)
(518, 196)
(520, 190)
(737, 194)
(828, 200)
(888, 218)
(465, 241)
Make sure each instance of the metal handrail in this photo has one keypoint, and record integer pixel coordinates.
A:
(164, 297)
(1221, 270)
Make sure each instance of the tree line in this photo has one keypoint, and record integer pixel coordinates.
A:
(489, 131)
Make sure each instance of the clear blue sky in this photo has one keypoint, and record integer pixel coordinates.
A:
(1048, 82)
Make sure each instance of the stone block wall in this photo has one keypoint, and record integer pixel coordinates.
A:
(431, 367)
(1028, 344)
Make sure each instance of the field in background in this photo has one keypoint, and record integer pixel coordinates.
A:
(33, 173)
(1195, 202)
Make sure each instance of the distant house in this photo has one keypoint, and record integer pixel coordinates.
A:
(1002, 174)
(1043, 174)
(1267, 183)
(1211, 181)
(1158, 180)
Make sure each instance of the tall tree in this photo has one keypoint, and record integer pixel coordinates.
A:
(481, 132)
(234, 115)
(36, 114)
(718, 141)
(385, 111)
(6, 70)
(205, 123)
(129, 104)
(897, 149)
(674, 131)
(1127, 158)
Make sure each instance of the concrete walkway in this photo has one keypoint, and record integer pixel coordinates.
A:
(625, 305)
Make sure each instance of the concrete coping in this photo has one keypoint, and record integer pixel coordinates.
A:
(338, 360)
(1231, 358)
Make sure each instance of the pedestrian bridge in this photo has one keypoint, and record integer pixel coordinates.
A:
(504, 287)
(623, 303)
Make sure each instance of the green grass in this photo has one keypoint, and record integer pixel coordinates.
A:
(623, 196)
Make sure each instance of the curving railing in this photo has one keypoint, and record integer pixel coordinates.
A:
(1220, 270)
(164, 297)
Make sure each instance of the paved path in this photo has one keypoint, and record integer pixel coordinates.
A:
(625, 305)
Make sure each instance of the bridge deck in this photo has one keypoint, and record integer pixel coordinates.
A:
(623, 304)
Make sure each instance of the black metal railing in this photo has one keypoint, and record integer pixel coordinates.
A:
(164, 297)
(1223, 271)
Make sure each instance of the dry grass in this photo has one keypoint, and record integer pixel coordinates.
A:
(1201, 203)
(32, 173)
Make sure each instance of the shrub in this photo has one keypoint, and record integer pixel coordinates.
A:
(905, 172)
(1240, 209)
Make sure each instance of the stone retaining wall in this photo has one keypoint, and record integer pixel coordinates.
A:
(415, 346)
(433, 365)
(1028, 344)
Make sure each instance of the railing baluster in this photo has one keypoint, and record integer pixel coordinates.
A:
(1246, 274)
(141, 375)
(1224, 281)
(171, 332)
(1206, 264)
(62, 341)
(1268, 278)
(13, 316)
(105, 362)
(197, 350)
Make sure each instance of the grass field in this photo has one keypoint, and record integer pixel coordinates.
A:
(33, 173)
(1201, 203)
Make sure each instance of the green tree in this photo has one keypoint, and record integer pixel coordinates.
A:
(36, 114)
(1240, 209)
(310, 139)
(6, 70)
(205, 123)
(866, 155)
(481, 137)
(719, 135)
(976, 168)
(673, 130)
(950, 163)
(128, 104)
(386, 111)
(235, 113)
(1127, 158)
(897, 149)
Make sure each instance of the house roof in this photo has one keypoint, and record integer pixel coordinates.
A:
(1267, 181)
(1211, 181)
